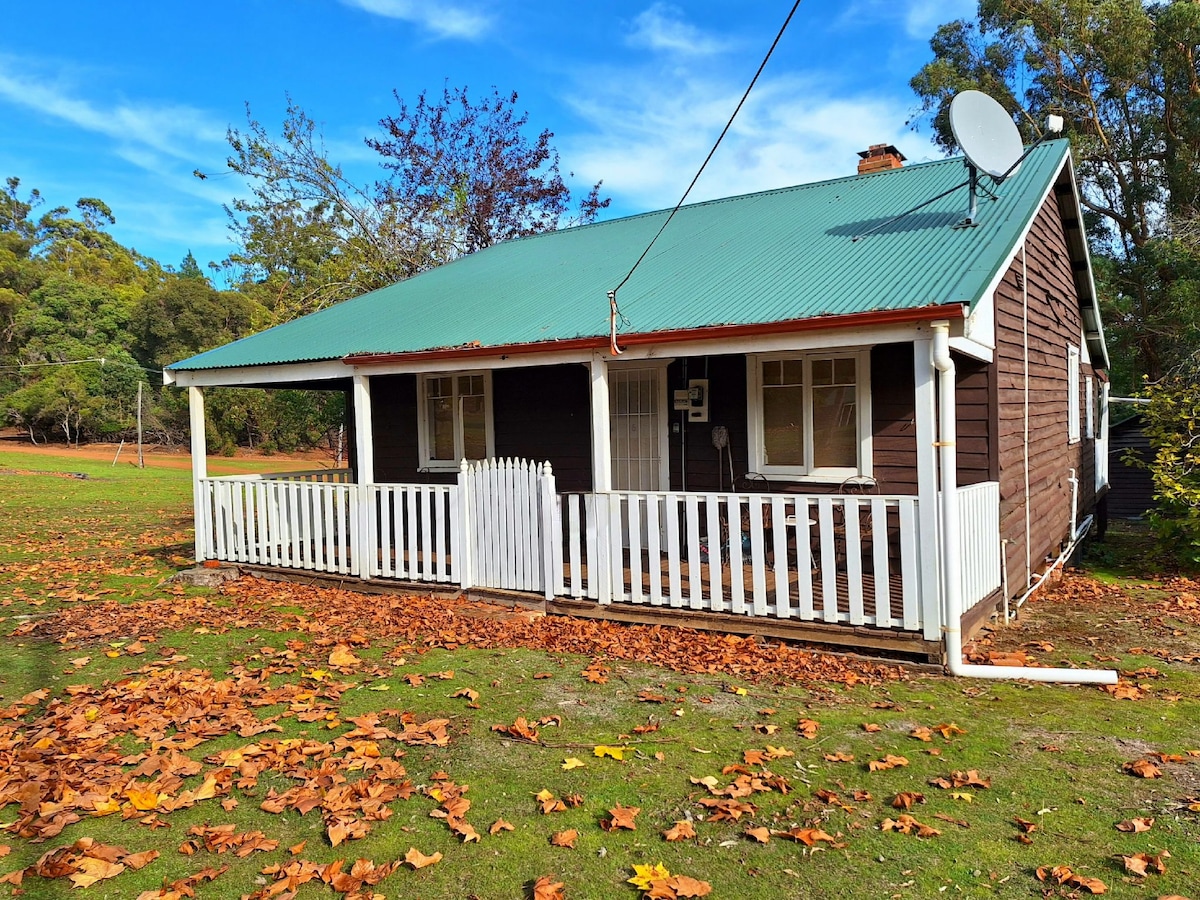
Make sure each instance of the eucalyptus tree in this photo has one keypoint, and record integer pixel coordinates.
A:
(1123, 75)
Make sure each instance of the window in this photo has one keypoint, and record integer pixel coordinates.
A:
(1091, 408)
(454, 421)
(809, 415)
(1072, 394)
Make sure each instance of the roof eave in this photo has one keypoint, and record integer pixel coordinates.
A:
(675, 336)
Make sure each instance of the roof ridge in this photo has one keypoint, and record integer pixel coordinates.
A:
(765, 192)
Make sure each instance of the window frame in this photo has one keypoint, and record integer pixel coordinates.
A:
(425, 462)
(1090, 408)
(1073, 410)
(756, 431)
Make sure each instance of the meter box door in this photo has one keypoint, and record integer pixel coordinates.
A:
(693, 400)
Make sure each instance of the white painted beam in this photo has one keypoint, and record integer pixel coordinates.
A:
(601, 436)
(199, 469)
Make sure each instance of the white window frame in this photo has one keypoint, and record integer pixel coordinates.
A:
(756, 431)
(423, 427)
(1072, 394)
(1090, 400)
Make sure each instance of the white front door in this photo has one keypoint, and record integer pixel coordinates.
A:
(637, 422)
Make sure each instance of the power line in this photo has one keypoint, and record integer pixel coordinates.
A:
(103, 360)
(614, 310)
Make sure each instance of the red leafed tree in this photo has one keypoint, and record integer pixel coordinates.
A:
(471, 176)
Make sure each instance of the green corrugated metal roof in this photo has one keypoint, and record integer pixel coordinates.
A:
(772, 256)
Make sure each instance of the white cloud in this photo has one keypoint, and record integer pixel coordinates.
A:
(920, 18)
(444, 20)
(661, 28)
(170, 130)
(646, 144)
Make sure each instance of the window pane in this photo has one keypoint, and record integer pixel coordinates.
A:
(470, 385)
(843, 370)
(822, 371)
(835, 427)
(439, 387)
(783, 430)
(440, 416)
(474, 427)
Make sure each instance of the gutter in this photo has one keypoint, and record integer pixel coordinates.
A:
(671, 336)
(951, 585)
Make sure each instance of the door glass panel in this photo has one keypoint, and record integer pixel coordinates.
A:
(474, 428)
(783, 412)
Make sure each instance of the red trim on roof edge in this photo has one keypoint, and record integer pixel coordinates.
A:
(674, 336)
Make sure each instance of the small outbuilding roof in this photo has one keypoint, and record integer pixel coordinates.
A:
(776, 256)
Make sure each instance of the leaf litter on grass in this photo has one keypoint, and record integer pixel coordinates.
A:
(159, 788)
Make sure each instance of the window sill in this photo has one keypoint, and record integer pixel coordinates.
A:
(439, 467)
(836, 477)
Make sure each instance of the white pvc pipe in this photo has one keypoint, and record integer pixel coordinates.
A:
(1074, 482)
(951, 585)
(1083, 529)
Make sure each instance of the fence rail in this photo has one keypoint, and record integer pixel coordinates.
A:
(334, 476)
(415, 532)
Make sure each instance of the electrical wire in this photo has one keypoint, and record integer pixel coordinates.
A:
(614, 309)
(103, 360)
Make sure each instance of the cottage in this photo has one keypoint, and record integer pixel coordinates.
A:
(805, 417)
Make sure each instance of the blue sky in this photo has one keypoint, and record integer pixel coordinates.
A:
(122, 100)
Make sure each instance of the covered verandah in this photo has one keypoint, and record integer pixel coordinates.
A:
(843, 562)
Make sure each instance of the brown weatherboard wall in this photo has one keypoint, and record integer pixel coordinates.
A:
(975, 407)
(1054, 324)
(892, 411)
(543, 412)
(539, 413)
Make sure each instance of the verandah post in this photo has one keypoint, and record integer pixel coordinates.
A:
(464, 543)
(927, 489)
(199, 470)
(601, 474)
(362, 550)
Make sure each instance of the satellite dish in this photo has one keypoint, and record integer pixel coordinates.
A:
(986, 133)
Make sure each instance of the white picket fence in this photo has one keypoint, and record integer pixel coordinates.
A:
(294, 523)
(414, 532)
(852, 560)
(979, 541)
(837, 559)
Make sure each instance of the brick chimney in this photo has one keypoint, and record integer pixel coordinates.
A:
(879, 158)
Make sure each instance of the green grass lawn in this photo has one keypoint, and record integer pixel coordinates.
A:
(172, 716)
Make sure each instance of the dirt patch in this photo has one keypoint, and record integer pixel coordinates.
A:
(159, 456)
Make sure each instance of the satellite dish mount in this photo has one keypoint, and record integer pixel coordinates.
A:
(992, 145)
(989, 140)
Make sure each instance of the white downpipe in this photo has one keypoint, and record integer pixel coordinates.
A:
(951, 578)
(1074, 482)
